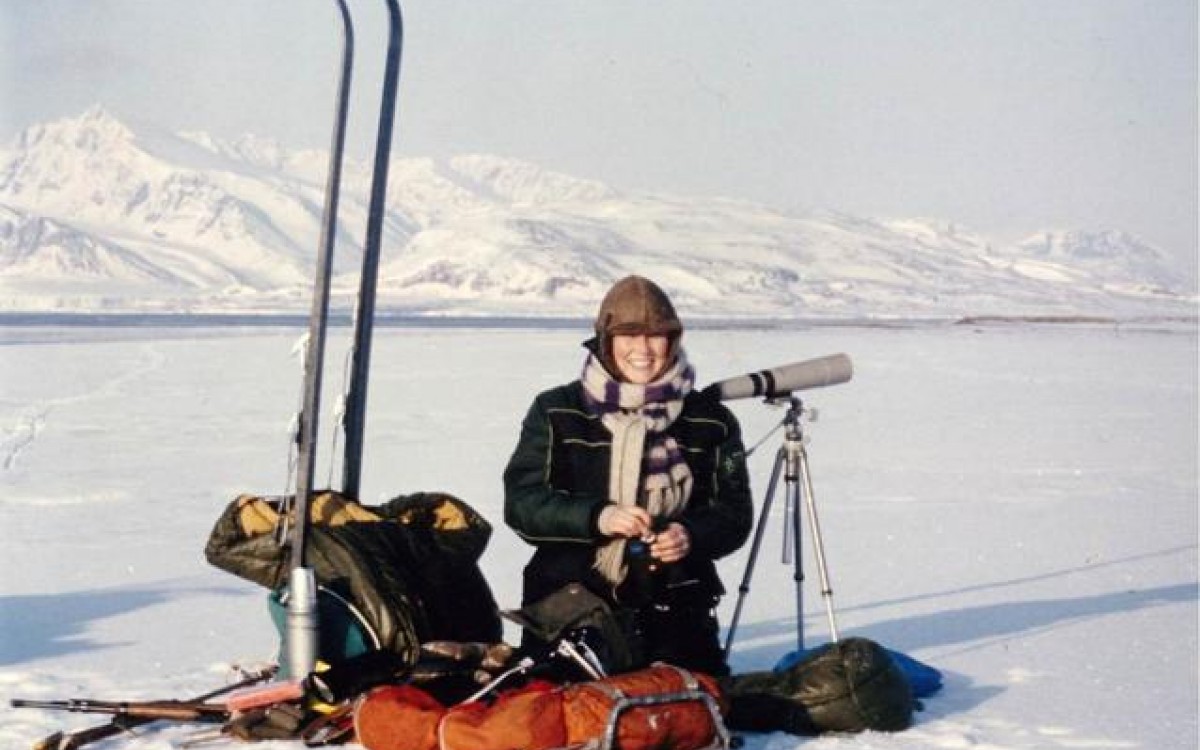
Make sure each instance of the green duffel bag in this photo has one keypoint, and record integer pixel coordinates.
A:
(849, 686)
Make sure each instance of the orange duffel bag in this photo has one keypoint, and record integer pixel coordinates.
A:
(526, 719)
(403, 717)
(662, 706)
(397, 717)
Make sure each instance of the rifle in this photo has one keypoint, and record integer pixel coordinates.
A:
(173, 710)
(126, 721)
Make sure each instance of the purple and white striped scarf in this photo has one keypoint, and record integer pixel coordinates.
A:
(647, 467)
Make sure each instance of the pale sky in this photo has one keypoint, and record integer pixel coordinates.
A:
(1006, 116)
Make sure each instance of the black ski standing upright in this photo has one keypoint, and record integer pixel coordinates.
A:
(356, 396)
(301, 632)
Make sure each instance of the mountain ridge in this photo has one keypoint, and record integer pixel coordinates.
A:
(96, 215)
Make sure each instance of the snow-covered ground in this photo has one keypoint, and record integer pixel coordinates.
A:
(1016, 506)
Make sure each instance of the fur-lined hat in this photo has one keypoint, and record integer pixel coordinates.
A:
(635, 305)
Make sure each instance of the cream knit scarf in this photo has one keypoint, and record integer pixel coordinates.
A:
(648, 468)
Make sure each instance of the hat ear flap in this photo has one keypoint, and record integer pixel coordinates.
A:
(606, 354)
(674, 344)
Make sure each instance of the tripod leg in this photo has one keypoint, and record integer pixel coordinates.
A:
(796, 550)
(818, 545)
(744, 587)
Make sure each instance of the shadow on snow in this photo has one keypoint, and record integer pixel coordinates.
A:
(970, 625)
(967, 627)
(36, 626)
(963, 627)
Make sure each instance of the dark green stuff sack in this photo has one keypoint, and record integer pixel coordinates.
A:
(849, 686)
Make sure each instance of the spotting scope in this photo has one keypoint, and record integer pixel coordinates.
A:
(782, 380)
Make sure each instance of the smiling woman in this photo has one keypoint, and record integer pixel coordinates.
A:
(630, 485)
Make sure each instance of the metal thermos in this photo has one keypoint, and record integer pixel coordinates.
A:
(302, 634)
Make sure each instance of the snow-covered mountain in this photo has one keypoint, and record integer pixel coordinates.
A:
(94, 215)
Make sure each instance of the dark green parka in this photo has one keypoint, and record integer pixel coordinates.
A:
(556, 484)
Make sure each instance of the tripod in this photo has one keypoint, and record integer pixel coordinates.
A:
(792, 461)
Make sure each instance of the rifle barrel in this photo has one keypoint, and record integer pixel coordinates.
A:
(174, 710)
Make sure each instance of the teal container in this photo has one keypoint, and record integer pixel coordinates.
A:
(343, 631)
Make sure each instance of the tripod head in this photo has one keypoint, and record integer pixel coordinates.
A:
(791, 422)
(796, 410)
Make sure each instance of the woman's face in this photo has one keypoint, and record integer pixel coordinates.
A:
(640, 358)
